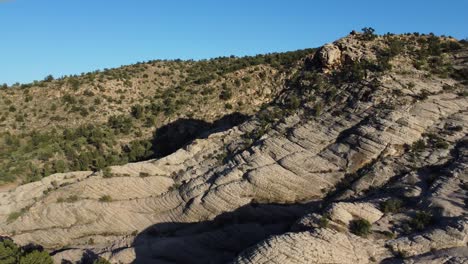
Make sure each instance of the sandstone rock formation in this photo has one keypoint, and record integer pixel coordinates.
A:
(286, 196)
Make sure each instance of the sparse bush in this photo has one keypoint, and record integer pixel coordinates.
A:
(323, 221)
(13, 216)
(368, 33)
(105, 199)
(389, 235)
(421, 220)
(107, 173)
(318, 109)
(226, 94)
(360, 227)
(69, 99)
(144, 174)
(101, 260)
(88, 93)
(137, 111)
(418, 146)
(391, 206)
(49, 78)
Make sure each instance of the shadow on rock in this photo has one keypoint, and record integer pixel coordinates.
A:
(171, 137)
(216, 241)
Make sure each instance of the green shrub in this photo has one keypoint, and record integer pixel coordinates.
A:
(389, 235)
(418, 146)
(49, 78)
(391, 206)
(36, 257)
(69, 99)
(360, 227)
(368, 33)
(226, 94)
(120, 124)
(107, 173)
(318, 109)
(15, 215)
(293, 102)
(10, 253)
(323, 221)
(137, 111)
(421, 220)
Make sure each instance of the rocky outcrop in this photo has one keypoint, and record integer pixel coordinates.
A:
(330, 57)
(318, 246)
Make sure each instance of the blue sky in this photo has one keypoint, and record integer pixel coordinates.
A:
(41, 37)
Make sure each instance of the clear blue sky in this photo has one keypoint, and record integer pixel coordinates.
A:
(40, 37)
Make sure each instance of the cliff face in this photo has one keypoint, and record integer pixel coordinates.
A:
(362, 158)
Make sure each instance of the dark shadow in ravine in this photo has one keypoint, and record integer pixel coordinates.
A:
(171, 137)
(216, 241)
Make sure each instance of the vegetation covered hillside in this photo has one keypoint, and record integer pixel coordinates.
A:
(103, 118)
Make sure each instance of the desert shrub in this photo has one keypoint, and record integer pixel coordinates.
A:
(137, 111)
(69, 99)
(360, 227)
(49, 78)
(318, 108)
(74, 83)
(368, 34)
(88, 93)
(144, 174)
(418, 146)
(107, 173)
(293, 102)
(69, 199)
(324, 221)
(423, 95)
(105, 199)
(120, 124)
(60, 166)
(138, 150)
(13, 216)
(101, 260)
(421, 220)
(389, 235)
(226, 94)
(391, 206)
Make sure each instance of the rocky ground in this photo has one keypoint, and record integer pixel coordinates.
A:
(379, 175)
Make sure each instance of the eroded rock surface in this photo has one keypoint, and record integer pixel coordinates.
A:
(285, 196)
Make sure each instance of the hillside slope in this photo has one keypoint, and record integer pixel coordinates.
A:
(112, 117)
(361, 158)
